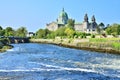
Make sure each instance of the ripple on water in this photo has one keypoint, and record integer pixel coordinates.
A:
(50, 62)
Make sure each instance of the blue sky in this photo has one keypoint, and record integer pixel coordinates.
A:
(34, 14)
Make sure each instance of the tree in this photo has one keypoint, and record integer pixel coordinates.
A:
(118, 29)
(1, 28)
(21, 32)
(98, 30)
(71, 23)
(101, 25)
(51, 35)
(69, 32)
(60, 31)
(41, 33)
(113, 29)
(109, 30)
(2, 31)
(9, 31)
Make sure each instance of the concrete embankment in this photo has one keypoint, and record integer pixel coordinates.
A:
(83, 44)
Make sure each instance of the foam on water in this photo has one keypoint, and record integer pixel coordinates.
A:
(46, 60)
(58, 68)
(54, 68)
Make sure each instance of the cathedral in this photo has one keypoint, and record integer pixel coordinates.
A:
(85, 26)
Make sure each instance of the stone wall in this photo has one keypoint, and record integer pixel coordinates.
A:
(52, 26)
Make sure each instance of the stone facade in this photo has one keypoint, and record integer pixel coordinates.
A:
(52, 26)
(85, 26)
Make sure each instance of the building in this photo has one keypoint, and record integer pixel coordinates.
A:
(30, 34)
(60, 22)
(85, 26)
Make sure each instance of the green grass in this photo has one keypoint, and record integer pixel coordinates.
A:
(104, 39)
(116, 45)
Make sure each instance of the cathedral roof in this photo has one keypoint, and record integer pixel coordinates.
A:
(63, 17)
(63, 14)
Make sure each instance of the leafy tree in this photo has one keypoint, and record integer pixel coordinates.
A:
(113, 29)
(101, 25)
(2, 32)
(109, 30)
(108, 25)
(71, 23)
(21, 32)
(69, 32)
(51, 35)
(9, 31)
(47, 31)
(1, 28)
(118, 30)
(98, 30)
(60, 31)
(41, 33)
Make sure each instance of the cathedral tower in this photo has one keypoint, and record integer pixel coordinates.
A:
(86, 18)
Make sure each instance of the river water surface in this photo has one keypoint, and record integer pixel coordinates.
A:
(50, 62)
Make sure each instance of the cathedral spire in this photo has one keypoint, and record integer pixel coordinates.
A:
(93, 19)
(63, 9)
(86, 18)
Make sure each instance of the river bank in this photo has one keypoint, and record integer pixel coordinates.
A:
(84, 44)
(4, 45)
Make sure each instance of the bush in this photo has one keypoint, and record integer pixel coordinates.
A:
(92, 36)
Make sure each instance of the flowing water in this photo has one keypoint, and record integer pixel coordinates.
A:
(50, 62)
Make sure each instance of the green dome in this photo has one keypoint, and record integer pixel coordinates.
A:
(63, 14)
(63, 17)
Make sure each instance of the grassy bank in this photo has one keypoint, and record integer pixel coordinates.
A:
(4, 45)
(113, 43)
(106, 45)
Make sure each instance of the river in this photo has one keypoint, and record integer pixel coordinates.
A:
(34, 61)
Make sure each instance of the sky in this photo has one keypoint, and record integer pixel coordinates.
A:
(35, 14)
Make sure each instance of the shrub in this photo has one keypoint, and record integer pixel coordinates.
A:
(92, 36)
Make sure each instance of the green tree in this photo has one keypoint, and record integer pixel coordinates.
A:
(98, 30)
(9, 31)
(71, 23)
(109, 30)
(21, 32)
(2, 31)
(60, 31)
(41, 33)
(69, 32)
(51, 35)
(101, 25)
(1, 28)
(113, 29)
